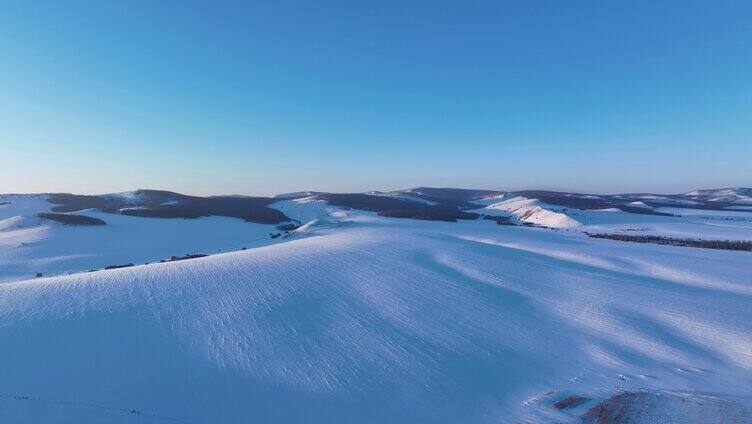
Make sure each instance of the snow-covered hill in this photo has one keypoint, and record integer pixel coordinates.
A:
(379, 320)
(30, 245)
(407, 195)
(741, 196)
(676, 220)
(355, 317)
(531, 211)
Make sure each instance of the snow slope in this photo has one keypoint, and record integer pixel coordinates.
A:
(686, 223)
(307, 209)
(30, 245)
(532, 211)
(639, 204)
(406, 195)
(489, 200)
(379, 320)
(738, 195)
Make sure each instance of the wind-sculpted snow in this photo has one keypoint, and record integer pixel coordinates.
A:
(378, 320)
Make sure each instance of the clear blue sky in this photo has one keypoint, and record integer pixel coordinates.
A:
(275, 96)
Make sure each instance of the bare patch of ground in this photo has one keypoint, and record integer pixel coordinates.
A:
(669, 407)
(570, 402)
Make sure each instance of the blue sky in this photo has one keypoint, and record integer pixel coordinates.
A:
(268, 97)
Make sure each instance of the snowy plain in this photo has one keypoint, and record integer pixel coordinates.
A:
(683, 222)
(30, 245)
(360, 318)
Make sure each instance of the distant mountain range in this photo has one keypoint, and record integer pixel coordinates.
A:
(425, 202)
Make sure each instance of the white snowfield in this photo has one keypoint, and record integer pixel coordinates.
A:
(364, 319)
(686, 223)
(531, 211)
(30, 245)
(742, 196)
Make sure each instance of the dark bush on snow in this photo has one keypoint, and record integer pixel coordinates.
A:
(246, 208)
(71, 219)
(501, 220)
(707, 244)
(182, 258)
(430, 215)
(165, 204)
(118, 266)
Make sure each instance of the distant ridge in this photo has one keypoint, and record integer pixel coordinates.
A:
(417, 201)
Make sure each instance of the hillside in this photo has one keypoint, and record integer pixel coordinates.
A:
(368, 319)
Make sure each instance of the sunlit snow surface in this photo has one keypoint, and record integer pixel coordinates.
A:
(368, 319)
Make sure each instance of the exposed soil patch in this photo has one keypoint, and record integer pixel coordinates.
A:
(570, 402)
(668, 407)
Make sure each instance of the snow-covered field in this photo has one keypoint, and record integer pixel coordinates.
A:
(30, 245)
(359, 318)
(686, 223)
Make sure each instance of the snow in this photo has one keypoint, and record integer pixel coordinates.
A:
(29, 245)
(133, 208)
(531, 211)
(689, 223)
(671, 200)
(295, 195)
(639, 205)
(129, 196)
(404, 195)
(315, 214)
(372, 319)
(18, 221)
(738, 195)
(744, 200)
(642, 406)
(705, 212)
(489, 200)
(306, 209)
(23, 205)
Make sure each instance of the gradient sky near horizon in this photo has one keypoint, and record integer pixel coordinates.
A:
(269, 97)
